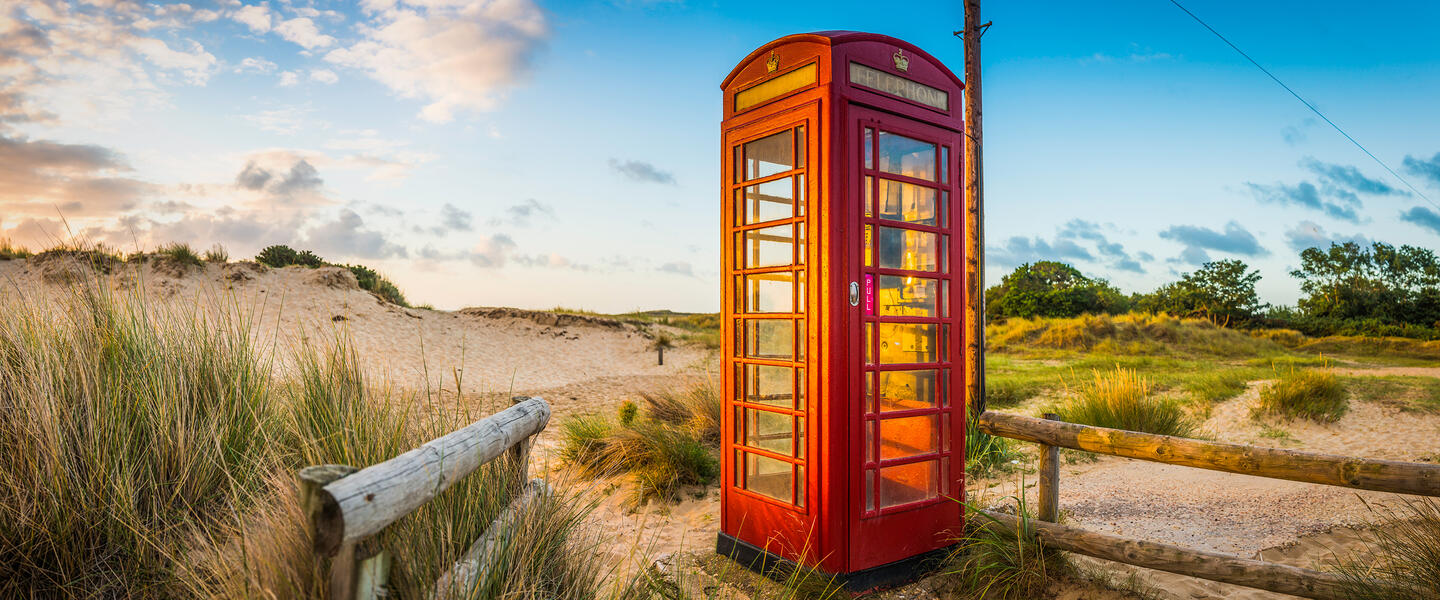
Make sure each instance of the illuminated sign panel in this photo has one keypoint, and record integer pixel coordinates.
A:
(876, 79)
(779, 86)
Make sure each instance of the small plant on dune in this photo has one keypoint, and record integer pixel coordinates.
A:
(994, 560)
(280, 256)
(371, 281)
(1315, 394)
(1121, 399)
(10, 251)
(217, 255)
(1403, 561)
(628, 411)
(179, 254)
(670, 446)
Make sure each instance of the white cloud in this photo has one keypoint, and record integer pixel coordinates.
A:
(255, 65)
(455, 57)
(325, 76)
(256, 17)
(289, 78)
(302, 31)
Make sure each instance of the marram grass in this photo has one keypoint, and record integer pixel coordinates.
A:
(1315, 394)
(1122, 399)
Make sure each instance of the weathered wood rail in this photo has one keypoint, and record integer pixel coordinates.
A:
(345, 508)
(1310, 467)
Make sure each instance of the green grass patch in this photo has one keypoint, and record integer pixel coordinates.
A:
(1386, 350)
(1420, 394)
(1122, 399)
(1290, 362)
(987, 454)
(1007, 391)
(1128, 334)
(1315, 394)
(1207, 388)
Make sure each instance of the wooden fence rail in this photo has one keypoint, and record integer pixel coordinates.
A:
(1309, 467)
(1275, 463)
(346, 507)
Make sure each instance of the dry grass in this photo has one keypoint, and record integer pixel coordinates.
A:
(1133, 333)
(149, 452)
(1315, 394)
(1121, 399)
(1404, 560)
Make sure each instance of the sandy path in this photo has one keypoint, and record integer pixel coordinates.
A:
(1289, 522)
(1382, 371)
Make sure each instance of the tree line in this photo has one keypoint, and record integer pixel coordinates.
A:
(1348, 289)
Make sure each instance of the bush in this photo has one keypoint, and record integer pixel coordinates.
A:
(1121, 399)
(1051, 289)
(1404, 560)
(377, 284)
(1312, 394)
(280, 256)
(628, 411)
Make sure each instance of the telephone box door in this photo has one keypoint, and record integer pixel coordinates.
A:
(907, 412)
(770, 391)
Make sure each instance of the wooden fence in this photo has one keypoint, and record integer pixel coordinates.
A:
(1052, 434)
(345, 508)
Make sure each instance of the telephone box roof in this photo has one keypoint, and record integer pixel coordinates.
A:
(835, 38)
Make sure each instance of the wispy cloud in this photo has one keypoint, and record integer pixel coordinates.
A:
(1426, 169)
(1308, 234)
(1197, 240)
(641, 171)
(1305, 195)
(524, 213)
(1422, 217)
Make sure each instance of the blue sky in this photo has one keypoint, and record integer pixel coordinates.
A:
(547, 153)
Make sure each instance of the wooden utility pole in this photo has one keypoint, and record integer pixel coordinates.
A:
(974, 216)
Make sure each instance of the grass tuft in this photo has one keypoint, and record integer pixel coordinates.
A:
(1315, 394)
(217, 254)
(1404, 560)
(994, 561)
(1002, 392)
(9, 251)
(986, 454)
(1121, 399)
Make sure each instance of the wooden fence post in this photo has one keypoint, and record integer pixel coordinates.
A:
(340, 567)
(520, 454)
(1049, 501)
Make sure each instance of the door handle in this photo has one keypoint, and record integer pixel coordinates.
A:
(854, 293)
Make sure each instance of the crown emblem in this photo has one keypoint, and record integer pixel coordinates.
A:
(902, 64)
(773, 63)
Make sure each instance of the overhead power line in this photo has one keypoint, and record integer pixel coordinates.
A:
(1305, 102)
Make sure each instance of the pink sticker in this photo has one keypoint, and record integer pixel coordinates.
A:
(869, 294)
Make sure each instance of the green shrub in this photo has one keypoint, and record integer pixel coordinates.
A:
(1312, 394)
(217, 254)
(628, 411)
(377, 284)
(280, 256)
(1403, 561)
(1121, 399)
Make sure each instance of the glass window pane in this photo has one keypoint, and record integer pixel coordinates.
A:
(800, 487)
(907, 202)
(768, 201)
(869, 148)
(800, 340)
(869, 237)
(800, 437)
(944, 209)
(769, 293)
(869, 343)
(909, 436)
(800, 146)
(908, 343)
(739, 164)
(799, 291)
(769, 477)
(870, 490)
(908, 390)
(769, 338)
(800, 254)
(769, 155)
(766, 385)
(868, 196)
(907, 249)
(800, 195)
(944, 164)
(904, 484)
(800, 384)
(768, 431)
(768, 247)
(905, 156)
(900, 296)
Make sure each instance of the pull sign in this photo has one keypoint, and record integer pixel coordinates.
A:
(854, 294)
(869, 294)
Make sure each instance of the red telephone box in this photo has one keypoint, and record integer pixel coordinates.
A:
(844, 442)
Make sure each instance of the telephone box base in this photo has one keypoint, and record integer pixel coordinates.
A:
(884, 576)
